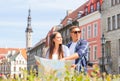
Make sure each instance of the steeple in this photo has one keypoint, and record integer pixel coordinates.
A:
(29, 31)
(29, 28)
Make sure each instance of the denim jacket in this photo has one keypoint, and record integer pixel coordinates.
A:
(82, 50)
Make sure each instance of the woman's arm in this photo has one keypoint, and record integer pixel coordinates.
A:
(71, 57)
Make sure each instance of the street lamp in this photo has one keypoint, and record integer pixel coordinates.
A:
(103, 52)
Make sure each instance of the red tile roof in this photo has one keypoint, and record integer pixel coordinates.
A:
(24, 53)
(4, 51)
(74, 14)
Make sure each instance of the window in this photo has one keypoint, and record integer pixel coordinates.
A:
(5, 68)
(89, 53)
(112, 2)
(69, 21)
(83, 33)
(119, 69)
(119, 47)
(98, 5)
(116, 2)
(0, 67)
(89, 32)
(86, 11)
(79, 14)
(91, 8)
(20, 62)
(108, 48)
(95, 52)
(95, 29)
(19, 75)
(118, 20)
(64, 34)
(25, 68)
(113, 22)
(68, 32)
(109, 24)
(14, 68)
(20, 69)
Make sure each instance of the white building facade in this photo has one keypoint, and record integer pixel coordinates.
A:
(18, 64)
(14, 63)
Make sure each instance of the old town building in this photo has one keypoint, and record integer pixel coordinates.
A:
(88, 18)
(13, 63)
(111, 30)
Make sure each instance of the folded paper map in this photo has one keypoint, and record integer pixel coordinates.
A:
(48, 66)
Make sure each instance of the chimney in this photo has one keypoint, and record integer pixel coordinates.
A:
(69, 12)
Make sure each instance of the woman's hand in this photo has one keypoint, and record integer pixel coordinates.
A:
(62, 59)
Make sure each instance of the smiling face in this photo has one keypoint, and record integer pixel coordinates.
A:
(58, 38)
(75, 34)
(55, 45)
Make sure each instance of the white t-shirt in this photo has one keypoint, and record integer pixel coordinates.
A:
(72, 49)
(65, 51)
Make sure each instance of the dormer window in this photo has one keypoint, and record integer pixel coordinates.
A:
(69, 21)
(60, 25)
(80, 14)
(98, 5)
(92, 8)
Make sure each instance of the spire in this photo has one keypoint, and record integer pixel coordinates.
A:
(29, 31)
(29, 28)
(29, 18)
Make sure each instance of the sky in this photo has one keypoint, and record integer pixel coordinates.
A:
(44, 13)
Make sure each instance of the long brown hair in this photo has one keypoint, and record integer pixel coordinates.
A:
(52, 46)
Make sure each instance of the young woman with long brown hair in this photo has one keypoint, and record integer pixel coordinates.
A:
(56, 49)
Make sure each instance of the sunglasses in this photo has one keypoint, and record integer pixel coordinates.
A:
(75, 32)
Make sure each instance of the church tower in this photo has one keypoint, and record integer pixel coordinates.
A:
(29, 32)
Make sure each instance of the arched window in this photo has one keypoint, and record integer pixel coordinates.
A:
(80, 14)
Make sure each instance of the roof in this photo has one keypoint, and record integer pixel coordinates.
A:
(74, 14)
(14, 56)
(4, 51)
(23, 51)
